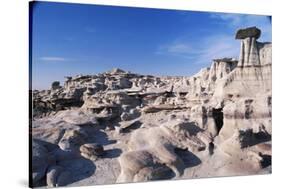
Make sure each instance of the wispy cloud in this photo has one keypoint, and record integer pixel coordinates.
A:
(218, 46)
(237, 21)
(232, 19)
(203, 50)
(53, 59)
(177, 48)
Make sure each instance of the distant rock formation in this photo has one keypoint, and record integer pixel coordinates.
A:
(219, 118)
(55, 85)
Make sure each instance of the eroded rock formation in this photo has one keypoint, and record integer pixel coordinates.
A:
(120, 126)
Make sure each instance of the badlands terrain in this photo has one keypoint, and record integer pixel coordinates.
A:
(118, 126)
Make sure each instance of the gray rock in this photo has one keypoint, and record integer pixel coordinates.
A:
(91, 150)
(55, 85)
(117, 71)
(77, 117)
(248, 32)
(57, 176)
(125, 83)
(52, 175)
(41, 159)
(72, 139)
(132, 114)
(64, 178)
(155, 172)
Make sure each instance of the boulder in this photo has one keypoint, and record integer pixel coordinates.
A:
(156, 145)
(72, 139)
(52, 175)
(41, 159)
(64, 178)
(132, 114)
(155, 172)
(58, 176)
(91, 151)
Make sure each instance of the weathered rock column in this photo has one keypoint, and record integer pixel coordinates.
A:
(249, 53)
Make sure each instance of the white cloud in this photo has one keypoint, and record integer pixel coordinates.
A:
(237, 21)
(233, 19)
(176, 48)
(203, 51)
(53, 59)
(219, 45)
(179, 48)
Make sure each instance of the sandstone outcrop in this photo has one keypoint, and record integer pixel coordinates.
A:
(156, 145)
(119, 126)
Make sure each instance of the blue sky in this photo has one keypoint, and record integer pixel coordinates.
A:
(72, 39)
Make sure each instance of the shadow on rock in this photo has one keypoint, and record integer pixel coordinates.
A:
(250, 138)
(193, 129)
(60, 168)
(98, 136)
(189, 159)
(112, 153)
(80, 168)
(135, 125)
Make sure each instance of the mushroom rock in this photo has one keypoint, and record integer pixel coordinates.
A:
(252, 75)
(246, 91)
(249, 52)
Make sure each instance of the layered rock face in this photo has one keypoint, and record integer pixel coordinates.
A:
(120, 126)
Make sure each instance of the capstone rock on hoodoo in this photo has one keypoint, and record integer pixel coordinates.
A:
(253, 32)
